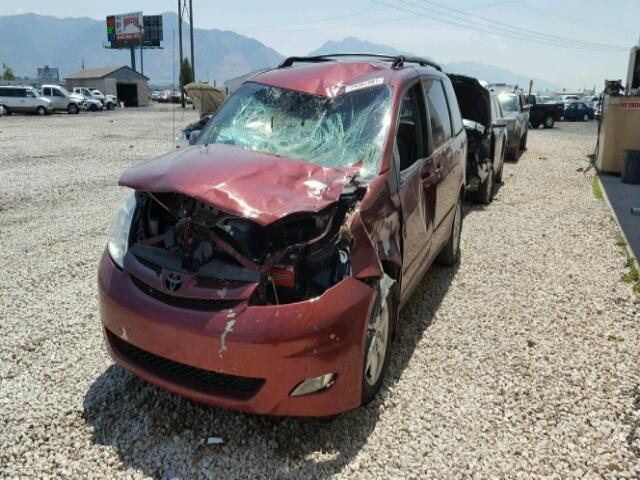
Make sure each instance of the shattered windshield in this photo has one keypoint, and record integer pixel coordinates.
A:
(333, 132)
(508, 102)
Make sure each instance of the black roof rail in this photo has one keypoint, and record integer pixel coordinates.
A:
(397, 61)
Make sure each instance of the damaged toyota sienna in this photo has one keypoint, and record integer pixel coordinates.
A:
(263, 268)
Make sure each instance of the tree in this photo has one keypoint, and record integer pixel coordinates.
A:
(186, 73)
(7, 73)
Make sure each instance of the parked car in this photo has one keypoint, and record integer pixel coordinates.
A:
(487, 135)
(19, 99)
(2, 111)
(578, 111)
(109, 101)
(91, 103)
(543, 113)
(61, 99)
(263, 268)
(516, 112)
(160, 95)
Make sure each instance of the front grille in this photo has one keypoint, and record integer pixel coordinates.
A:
(203, 304)
(231, 386)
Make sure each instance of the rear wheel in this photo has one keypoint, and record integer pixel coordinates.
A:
(41, 111)
(72, 108)
(549, 122)
(450, 255)
(377, 347)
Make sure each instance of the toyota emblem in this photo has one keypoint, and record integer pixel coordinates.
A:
(172, 282)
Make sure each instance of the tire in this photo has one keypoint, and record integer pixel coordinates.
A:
(93, 108)
(585, 118)
(379, 335)
(498, 176)
(450, 255)
(41, 111)
(535, 126)
(484, 194)
(110, 106)
(549, 122)
(523, 142)
(7, 111)
(72, 108)
(562, 118)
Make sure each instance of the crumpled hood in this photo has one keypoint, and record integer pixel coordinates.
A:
(258, 186)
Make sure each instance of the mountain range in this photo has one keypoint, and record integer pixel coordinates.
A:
(29, 40)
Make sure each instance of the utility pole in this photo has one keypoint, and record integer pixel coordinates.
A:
(193, 63)
(185, 8)
(140, 27)
(180, 51)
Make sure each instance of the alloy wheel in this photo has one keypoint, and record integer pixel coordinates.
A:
(378, 332)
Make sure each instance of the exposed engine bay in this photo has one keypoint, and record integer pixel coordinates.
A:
(295, 258)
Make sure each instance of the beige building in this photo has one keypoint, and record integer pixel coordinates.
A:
(128, 85)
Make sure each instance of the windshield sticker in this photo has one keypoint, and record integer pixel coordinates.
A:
(366, 84)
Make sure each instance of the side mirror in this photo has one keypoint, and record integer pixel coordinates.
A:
(194, 136)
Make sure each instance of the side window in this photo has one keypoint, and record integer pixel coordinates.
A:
(57, 93)
(22, 92)
(46, 91)
(3, 92)
(439, 118)
(409, 138)
(454, 108)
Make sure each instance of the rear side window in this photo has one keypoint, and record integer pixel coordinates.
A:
(454, 108)
(439, 117)
(46, 91)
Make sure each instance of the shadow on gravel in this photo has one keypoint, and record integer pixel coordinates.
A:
(152, 430)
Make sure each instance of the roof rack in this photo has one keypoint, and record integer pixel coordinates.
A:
(397, 61)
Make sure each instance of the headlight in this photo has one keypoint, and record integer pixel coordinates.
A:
(119, 237)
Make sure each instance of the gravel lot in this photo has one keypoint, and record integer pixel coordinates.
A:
(523, 362)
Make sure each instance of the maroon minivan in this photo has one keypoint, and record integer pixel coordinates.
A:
(263, 268)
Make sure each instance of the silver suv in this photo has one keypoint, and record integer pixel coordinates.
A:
(61, 99)
(16, 99)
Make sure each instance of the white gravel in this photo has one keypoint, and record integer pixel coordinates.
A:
(523, 362)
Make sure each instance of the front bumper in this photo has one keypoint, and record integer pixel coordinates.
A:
(277, 346)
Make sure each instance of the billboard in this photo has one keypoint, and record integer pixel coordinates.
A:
(152, 32)
(48, 74)
(127, 26)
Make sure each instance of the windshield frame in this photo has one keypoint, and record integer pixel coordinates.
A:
(383, 131)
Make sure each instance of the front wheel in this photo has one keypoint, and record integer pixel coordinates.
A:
(93, 108)
(72, 108)
(450, 255)
(378, 343)
(110, 106)
(484, 194)
(523, 142)
(549, 122)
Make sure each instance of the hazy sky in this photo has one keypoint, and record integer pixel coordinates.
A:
(404, 24)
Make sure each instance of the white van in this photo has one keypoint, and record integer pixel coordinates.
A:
(61, 99)
(17, 99)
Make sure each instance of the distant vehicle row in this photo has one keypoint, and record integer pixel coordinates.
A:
(26, 99)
